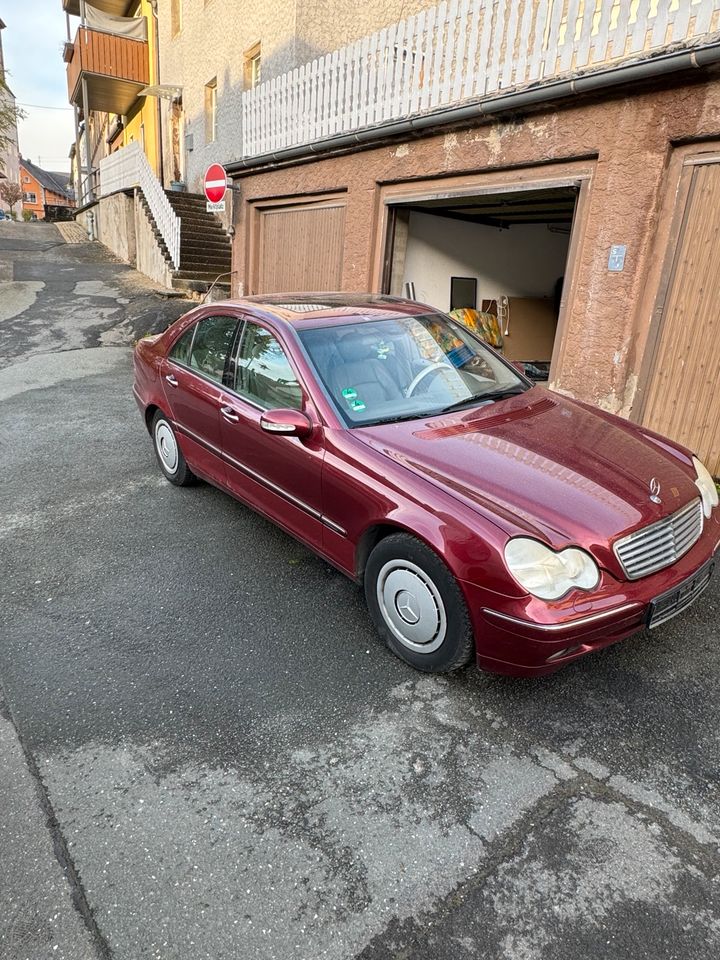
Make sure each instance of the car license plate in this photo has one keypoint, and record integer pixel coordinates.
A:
(669, 604)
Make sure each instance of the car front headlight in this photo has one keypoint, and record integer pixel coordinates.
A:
(706, 486)
(547, 574)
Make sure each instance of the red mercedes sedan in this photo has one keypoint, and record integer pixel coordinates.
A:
(483, 515)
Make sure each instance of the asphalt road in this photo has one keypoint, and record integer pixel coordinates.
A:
(206, 752)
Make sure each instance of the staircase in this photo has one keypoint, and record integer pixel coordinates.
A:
(205, 251)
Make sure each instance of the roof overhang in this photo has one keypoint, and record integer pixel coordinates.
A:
(117, 7)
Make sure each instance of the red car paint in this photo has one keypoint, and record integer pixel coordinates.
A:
(537, 464)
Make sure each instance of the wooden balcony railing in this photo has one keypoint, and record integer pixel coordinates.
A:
(461, 51)
(115, 67)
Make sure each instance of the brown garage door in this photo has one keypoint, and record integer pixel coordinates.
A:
(300, 248)
(683, 390)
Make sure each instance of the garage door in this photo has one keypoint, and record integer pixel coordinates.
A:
(300, 248)
(683, 392)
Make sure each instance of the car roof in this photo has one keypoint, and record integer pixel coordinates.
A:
(303, 310)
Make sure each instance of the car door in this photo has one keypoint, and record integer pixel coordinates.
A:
(192, 380)
(280, 475)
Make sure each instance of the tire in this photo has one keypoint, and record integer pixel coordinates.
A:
(417, 605)
(168, 452)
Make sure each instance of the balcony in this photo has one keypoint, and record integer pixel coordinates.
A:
(115, 67)
(465, 52)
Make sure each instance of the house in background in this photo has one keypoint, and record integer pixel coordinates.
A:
(46, 195)
(9, 168)
(210, 54)
(111, 60)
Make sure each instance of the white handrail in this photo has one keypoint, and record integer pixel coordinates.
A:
(128, 168)
(455, 51)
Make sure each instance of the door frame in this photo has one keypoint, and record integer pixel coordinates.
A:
(256, 208)
(573, 173)
(665, 252)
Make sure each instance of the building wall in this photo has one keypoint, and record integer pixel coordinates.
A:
(30, 185)
(524, 261)
(624, 144)
(211, 44)
(142, 124)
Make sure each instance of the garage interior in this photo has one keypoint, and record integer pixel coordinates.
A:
(497, 259)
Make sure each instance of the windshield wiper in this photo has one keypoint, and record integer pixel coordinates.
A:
(478, 397)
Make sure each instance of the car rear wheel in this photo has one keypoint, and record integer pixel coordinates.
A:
(417, 605)
(168, 452)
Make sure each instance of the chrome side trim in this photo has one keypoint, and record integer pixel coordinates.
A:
(259, 478)
(335, 527)
(557, 627)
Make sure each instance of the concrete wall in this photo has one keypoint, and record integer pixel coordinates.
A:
(149, 258)
(115, 225)
(524, 261)
(625, 147)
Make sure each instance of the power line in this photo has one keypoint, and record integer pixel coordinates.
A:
(41, 106)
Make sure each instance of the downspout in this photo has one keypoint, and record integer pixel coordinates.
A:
(653, 68)
(156, 31)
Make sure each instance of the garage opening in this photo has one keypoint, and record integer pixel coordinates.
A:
(496, 261)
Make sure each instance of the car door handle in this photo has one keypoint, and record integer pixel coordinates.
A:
(229, 414)
(171, 380)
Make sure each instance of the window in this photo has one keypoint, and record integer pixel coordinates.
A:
(30, 197)
(211, 346)
(175, 17)
(210, 110)
(180, 351)
(251, 67)
(264, 374)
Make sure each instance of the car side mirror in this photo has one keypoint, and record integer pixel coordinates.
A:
(291, 423)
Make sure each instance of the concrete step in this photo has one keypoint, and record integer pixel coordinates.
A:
(208, 276)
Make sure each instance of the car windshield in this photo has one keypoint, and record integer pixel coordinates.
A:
(403, 368)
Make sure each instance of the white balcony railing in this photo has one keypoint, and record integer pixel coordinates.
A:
(128, 168)
(457, 51)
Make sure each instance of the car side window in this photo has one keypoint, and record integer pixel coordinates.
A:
(263, 373)
(181, 348)
(211, 346)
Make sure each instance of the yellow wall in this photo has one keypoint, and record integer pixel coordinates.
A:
(142, 121)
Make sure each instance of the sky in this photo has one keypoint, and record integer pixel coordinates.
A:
(32, 44)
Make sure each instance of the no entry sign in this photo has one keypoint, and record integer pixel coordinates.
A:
(215, 184)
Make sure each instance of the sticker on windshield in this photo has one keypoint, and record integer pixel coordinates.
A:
(357, 405)
(349, 394)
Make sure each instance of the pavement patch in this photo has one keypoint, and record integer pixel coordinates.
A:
(17, 296)
(312, 855)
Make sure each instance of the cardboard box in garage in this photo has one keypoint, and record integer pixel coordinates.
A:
(532, 325)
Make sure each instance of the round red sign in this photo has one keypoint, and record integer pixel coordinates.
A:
(215, 183)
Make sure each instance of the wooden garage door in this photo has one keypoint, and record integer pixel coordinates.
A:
(683, 391)
(300, 248)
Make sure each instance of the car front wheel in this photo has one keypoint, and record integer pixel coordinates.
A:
(168, 452)
(417, 605)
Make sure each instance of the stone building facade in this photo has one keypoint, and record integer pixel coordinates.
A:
(206, 46)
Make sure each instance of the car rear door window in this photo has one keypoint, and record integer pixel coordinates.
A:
(180, 351)
(211, 346)
(263, 373)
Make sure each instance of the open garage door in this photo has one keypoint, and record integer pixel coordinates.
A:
(495, 260)
(299, 247)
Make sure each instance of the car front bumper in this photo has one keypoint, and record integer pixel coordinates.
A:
(532, 638)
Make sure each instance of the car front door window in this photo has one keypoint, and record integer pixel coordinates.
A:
(263, 373)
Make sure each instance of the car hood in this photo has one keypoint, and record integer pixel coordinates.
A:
(543, 464)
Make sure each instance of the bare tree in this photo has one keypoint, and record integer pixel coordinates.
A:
(11, 193)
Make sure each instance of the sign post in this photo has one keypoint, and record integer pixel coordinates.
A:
(215, 185)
